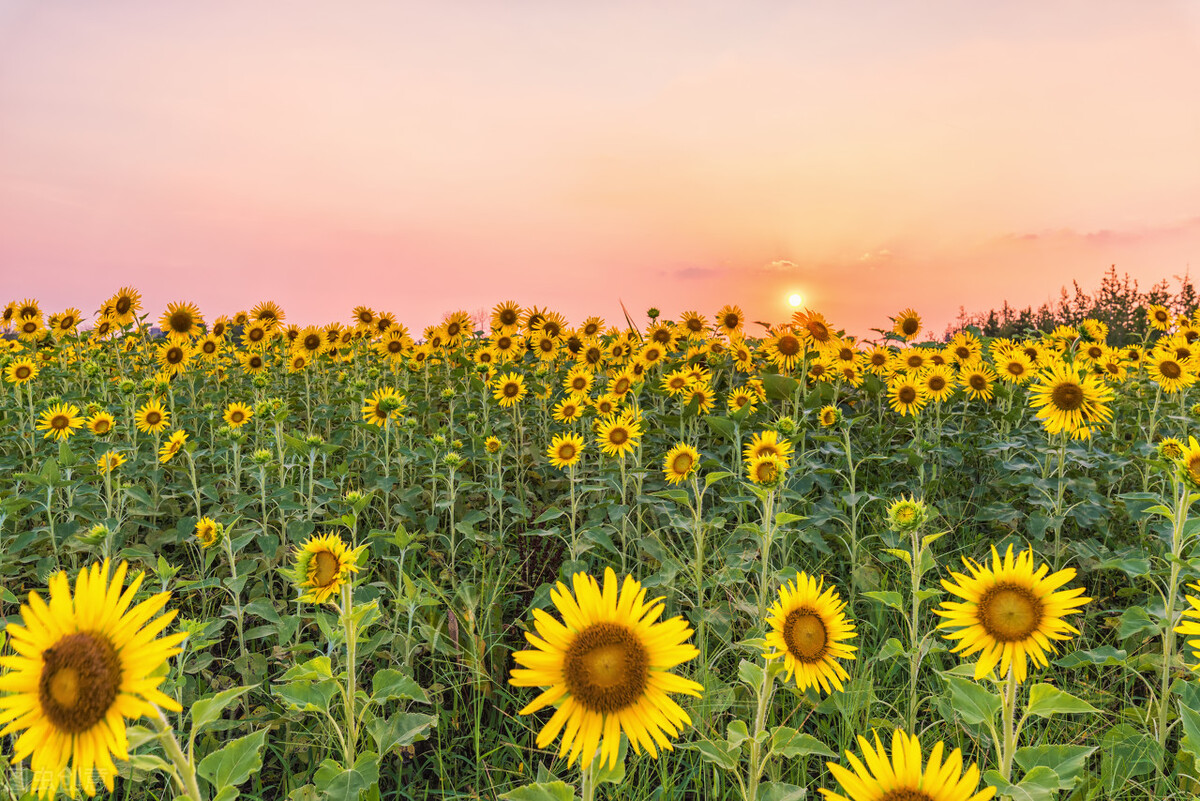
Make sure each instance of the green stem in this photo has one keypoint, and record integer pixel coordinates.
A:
(185, 770)
(758, 759)
(1009, 744)
(351, 681)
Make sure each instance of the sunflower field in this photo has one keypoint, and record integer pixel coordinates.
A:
(675, 559)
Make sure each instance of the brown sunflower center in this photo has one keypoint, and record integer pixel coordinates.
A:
(905, 794)
(910, 326)
(789, 345)
(915, 361)
(123, 305)
(662, 336)
(1170, 369)
(1095, 352)
(209, 347)
(312, 341)
(1067, 396)
(805, 636)
(606, 668)
(101, 426)
(546, 345)
(618, 436)
(907, 394)
(325, 568)
(153, 418)
(80, 678)
(937, 383)
(1161, 316)
(731, 321)
(1015, 368)
(174, 355)
(977, 381)
(694, 325)
(1010, 613)
(180, 322)
(579, 383)
(30, 326)
(256, 362)
(22, 372)
(60, 421)
(508, 317)
(511, 389)
(622, 386)
(566, 451)
(682, 463)
(237, 416)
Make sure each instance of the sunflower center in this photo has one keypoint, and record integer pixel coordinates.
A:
(59, 421)
(905, 794)
(153, 418)
(907, 394)
(256, 361)
(1010, 613)
(123, 305)
(325, 568)
(910, 326)
(937, 383)
(1170, 369)
(618, 436)
(174, 355)
(1015, 368)
(566, 451)
(80, 678)
(1067, 396)
(805, 635)
(730, 321)
(789, 345)
(682, 463)
(23, 371)
(606, 667)
(237, 416)
(511, 389)
(312, 341)
(101, 426)
(977, 382)
(508, 317)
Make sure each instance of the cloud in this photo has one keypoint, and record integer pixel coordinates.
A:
(781, 265)
(694, 273)
(877, 255)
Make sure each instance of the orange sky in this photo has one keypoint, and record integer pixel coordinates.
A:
(423, 157)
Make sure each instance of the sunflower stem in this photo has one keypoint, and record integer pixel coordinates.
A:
(587, 780)
(185, 770)
(1009, 745)
(1183, 500)
(757, 760)
(351, 681)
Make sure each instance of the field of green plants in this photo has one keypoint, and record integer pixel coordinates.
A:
(534, 559)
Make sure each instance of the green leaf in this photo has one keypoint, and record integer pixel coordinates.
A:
(717, 753)
(1039, 784)
(679, 496)
(784, 518)
(779, 387)
(399, 730)
(750, 673)
(233, 764)
(1126, 753)
(1134, 620)
(900, 554)
(1191, 728)
(887, 598)
(714, 477)
(391, 684)
(552, 513)
(1046, 701)
(737, 733)
(307, 696)
(780, 791)
(972, 702)
(614, 775)
(1068, 761)
(347, 784)
(319, 668)
(541, 791)
(208, 709)
(720, 426)
(789, 743)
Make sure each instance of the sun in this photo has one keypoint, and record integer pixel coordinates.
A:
(794, 300)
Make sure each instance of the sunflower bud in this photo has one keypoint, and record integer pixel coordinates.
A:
(262, 457)
(907, 514)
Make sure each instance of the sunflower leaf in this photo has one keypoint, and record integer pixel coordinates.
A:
(208, 710)
(887, 598)
(233, 763)
(547, 791)
(1046, 701)
(972, 702)
(388, 684)
(789, 743)
(347, 784)
(397, 731)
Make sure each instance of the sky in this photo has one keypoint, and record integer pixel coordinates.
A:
(422, 158)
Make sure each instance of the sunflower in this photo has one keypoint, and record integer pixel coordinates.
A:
(364, 316)
(618, 435)
(1068, 402)
(906, 395)
(21, 371)
(907, 514)
(60, 421)
(493, 445)
(739, 398)
(730, 320)
(694, 323)
(172, 446)
(607, 405)
(901, 777)
(30, 329)
(1016, 367)
(323, 565)
(268, 312)
(703, 396)
(545, 346)
(976, 379)
(830, 416)
(173, 357)
(67, 322)
(208, 532)
(81, 667)
(620, 383)
(784, 349)
(1170, 449)
(607, 668)
(253, 362)
(209, 347)
(808, 629)
(506, 317)
(565, 450)
(938, 382)
(384, 406)
(1189, 462)
(125, 305)
(680, 462)
(1158, 317)
(297, 360)
(1169, 372)
(181, 320)
(151, 417)
(767, 469)
(311, 340)
(816, 327)
(569, 409)
(109, 462)
(100, 424)
(509, 389)
(1010, 612)
(907, 324)
(220, 327)
(237, 415)
(767, 443)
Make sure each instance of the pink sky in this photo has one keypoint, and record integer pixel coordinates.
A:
(426, 157)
